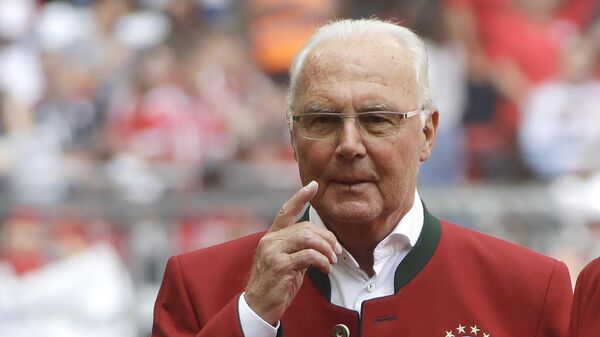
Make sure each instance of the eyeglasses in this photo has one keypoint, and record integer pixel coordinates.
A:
(326, 125)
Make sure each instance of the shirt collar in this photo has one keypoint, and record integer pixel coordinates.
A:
(408, 229)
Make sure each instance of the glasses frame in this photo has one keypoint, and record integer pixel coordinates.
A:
(405, 115)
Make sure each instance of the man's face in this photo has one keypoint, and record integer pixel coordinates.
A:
(362, 179)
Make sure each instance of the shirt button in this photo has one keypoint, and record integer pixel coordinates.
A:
(371, 287)
(340, 330)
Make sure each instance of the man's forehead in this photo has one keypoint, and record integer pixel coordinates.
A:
(377, 58)
(382, 61)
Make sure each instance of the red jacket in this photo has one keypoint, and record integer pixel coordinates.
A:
(455, 282)
(585, 317)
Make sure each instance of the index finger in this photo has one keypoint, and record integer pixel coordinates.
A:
(290, 210)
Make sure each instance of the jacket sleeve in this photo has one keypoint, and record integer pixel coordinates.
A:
(554, 317)
(175, 315)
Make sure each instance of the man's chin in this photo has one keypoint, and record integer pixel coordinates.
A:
(350, 212)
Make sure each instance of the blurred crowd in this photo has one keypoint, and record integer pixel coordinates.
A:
(129, 101)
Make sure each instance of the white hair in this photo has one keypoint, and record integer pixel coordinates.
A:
(346, 30)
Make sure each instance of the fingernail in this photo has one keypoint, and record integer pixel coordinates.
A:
(338, 248)
(334, 258)
(310, 186)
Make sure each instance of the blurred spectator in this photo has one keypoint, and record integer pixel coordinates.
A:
(86, 294)
(560, 133)
(532, 58)
(155, 119)
(57, 279)
(21, 79)
(512, 45)
(235, 91)
(24, 240)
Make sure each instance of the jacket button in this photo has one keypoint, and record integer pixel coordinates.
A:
(341, 330)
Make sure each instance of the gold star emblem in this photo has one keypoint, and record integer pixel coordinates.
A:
(475, 330)
(461, 329)
(449, 334)
(486, 334)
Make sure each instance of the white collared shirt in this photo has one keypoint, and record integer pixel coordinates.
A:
(350, 285)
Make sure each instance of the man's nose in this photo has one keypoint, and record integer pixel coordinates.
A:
(350, 140)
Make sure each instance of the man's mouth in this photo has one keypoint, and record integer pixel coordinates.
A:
(351, 181)
(351, 185)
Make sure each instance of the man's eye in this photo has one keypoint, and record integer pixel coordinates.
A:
(375, 119)
(324, 120)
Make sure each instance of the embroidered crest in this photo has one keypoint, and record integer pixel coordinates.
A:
(466, 331)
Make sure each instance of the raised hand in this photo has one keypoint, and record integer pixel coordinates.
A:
(284, 254)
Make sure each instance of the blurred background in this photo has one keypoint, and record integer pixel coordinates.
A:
(134, 130)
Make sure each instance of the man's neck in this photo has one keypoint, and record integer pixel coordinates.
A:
(361, 239)
(365, 261)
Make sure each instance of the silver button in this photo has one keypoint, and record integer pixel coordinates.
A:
(371, 287)
(341, 330)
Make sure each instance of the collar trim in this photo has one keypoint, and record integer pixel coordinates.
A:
(410, 266)
(421, 253)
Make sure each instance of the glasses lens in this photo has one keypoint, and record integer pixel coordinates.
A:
(380, 124)
(326, 125)
(319, 125)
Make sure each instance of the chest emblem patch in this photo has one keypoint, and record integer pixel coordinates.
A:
(466, 331)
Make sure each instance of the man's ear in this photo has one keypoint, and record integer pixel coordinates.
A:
(429, 131)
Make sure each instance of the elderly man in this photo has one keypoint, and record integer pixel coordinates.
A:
(367, 258)
(585, 315)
